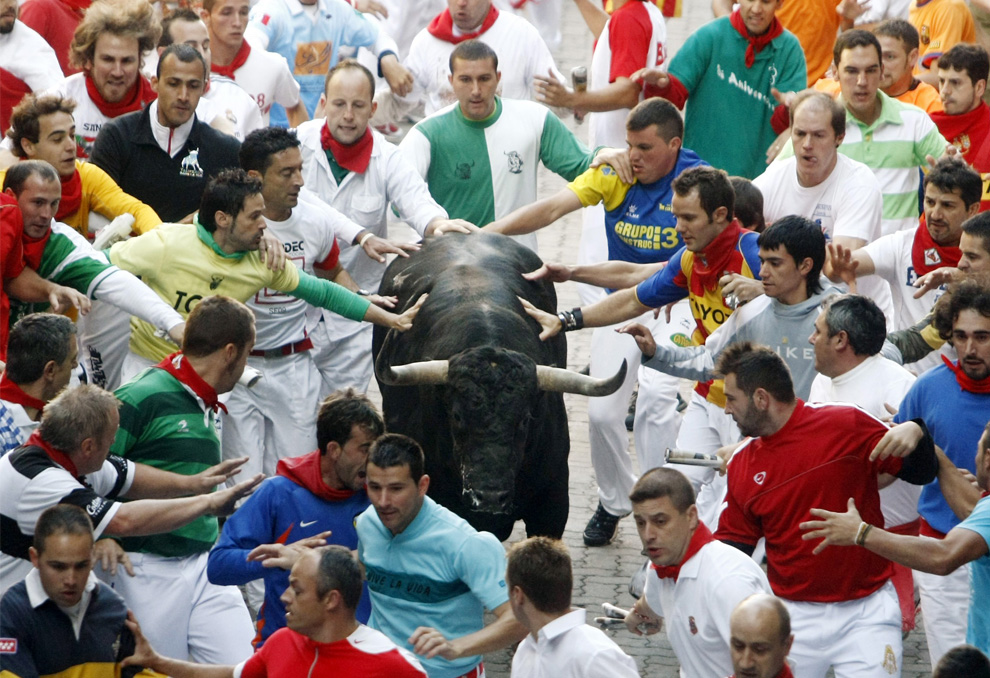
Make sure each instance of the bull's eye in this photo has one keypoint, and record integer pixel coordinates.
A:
(456, 418)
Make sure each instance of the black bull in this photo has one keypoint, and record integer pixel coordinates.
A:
(475, 386)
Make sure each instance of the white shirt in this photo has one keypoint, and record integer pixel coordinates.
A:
(569, 648)
(364, 198)
(892, 260)
(847, 204)
(27, 57)
(307, 236)
(522, 54)
(697, 607)
(267, 79)
(609, 127)
(236, 105)
(873, 383)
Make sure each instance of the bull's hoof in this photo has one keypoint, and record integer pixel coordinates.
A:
(602, 528)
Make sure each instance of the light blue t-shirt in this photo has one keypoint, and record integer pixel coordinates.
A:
(978, 632)
(438, 572)
(310, 43)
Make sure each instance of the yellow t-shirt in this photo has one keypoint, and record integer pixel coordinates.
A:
(183, 267)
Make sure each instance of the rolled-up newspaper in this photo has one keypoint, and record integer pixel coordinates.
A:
(691, 458)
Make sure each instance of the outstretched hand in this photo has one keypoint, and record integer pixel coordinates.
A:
(834, 529)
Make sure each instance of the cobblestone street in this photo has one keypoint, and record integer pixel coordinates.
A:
(603, 574)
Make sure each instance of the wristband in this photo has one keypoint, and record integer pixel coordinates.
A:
(364, 238)
(571, 320)
(864, 529)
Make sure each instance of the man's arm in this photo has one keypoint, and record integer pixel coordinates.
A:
(111, 201)
(941, 557)
(157, 516)
(614, 275)
(333, 297)
(537, 215)
(153, 483)
(594, 16)
(145, 656)
(960, 494)
(502, 632)
(623, 93)
(30, 287)
(297, 114)
(845, 264)
(617, 307)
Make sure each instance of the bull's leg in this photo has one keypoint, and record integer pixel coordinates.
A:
(546, 512)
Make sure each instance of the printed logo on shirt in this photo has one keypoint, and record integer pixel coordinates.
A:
(692, 626)
(95, 507)
(8, 645)
(760, 477)
(190, 165)
(932, 257)
(305, 523)
(515, 162)
(183, 427)
(463, 170)
(215, 281)
(313, 58)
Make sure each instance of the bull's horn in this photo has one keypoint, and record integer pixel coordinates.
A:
(423, 373)
(566, 381)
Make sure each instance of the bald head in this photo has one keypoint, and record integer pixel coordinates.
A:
(760, 636)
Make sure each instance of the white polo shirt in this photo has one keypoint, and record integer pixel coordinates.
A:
(696, 608)
(568, 648)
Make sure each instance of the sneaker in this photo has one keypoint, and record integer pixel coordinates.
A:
(602, 528)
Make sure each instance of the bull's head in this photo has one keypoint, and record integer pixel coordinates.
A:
(491, 396)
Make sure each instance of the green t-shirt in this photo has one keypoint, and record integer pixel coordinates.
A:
(727, 116)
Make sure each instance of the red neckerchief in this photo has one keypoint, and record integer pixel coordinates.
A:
(354, 157)
(13, 393)
(756, 42)
(136, 98)
(58, 456)
(975, 125)
(966, 382)
(701, 536)
(717, 257)
(34, 248)
(71, 195)
(184, 372)
(442, 27)
(305, 471)
(239, 59)
(925, 250)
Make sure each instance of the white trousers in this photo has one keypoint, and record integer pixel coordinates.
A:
(944, 609)
(276, 418)
(657, 420)
(181, 613)
(342, 362)
(857, 638)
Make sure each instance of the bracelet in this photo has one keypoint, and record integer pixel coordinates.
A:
(363, 293)
(364, 238)
(571, 320)
(864, 529)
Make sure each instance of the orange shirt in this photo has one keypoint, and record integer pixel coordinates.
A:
(815, 23)
(923, 95)
(941, 24)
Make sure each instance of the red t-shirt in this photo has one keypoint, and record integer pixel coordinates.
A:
(819, 459)
(629, 33)
(366, 652)
(56, 22)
